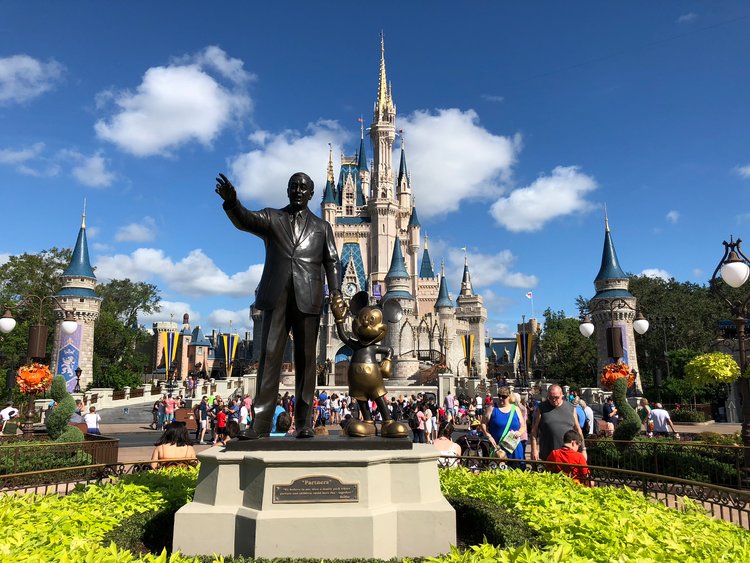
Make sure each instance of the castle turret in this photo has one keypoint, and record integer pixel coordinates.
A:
(470, 307)
(71, 351)
(328, 205)
(613, 310)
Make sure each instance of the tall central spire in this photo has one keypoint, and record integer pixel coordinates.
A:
(383, 83)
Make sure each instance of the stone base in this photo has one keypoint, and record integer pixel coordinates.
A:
(321, 504)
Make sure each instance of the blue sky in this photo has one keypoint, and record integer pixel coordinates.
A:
(521, 121)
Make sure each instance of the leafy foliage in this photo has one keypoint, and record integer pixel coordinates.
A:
(687, 415)
(630, 422)
(712, 367)
(481, 520)
(58, 418)
(594, 524)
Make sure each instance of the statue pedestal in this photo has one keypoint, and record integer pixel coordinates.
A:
(321, 503)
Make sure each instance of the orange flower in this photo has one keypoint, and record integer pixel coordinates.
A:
(612, 372)
(33, 378)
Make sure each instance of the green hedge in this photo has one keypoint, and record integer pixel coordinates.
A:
(478, 521)
(687, 415)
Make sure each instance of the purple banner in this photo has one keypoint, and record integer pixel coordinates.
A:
(68, 357)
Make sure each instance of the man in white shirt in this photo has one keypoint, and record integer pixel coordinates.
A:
(92, 420)
(662, 422)
(6, 414)
(589, 424)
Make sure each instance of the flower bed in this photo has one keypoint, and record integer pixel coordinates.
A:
(567, 522)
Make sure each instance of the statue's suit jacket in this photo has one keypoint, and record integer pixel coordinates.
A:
(301, 259)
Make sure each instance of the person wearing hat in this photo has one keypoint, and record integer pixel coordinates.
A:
(475, 430)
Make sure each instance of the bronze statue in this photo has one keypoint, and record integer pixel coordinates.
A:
(369, 327)
(290, 294)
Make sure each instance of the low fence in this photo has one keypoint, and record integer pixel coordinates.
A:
(715, 464)
(724, 503)
(19, 456)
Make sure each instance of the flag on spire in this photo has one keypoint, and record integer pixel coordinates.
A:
(529, 295)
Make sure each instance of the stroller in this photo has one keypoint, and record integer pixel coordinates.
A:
(475, 446)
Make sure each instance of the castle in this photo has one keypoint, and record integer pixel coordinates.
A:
(379, 239)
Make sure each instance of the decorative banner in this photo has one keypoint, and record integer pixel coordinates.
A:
(170, 340)
(468, 343)
(68, 358)
(377, 291)
(230, 347)
(525, 342)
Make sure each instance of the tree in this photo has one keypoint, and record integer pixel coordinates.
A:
(568, 357)
(126, 299)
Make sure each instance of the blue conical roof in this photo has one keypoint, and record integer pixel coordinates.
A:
(413, 219)
(328, 195)
(398, 265)
(443, 300)
(402, 172)
(426, 270)
(610, 268)
(199, 338)
(362, 162)
(80, 266)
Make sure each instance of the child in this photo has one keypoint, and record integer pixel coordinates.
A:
(569, 454)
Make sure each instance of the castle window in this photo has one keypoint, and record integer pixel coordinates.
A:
(350, 210)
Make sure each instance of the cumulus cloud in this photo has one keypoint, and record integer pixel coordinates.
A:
(137, 232)
(451, 158)
(4, 257)
(559, 194)
(743, 171)
(20, 156)
(195, 275)
(102, 247)
(240, 319)
(657, 273)
(687, 18)
(673, 216)
(261, 175)
(192, 99)
(486, 270)
(30, 161)
(23, 78)
(92, 171)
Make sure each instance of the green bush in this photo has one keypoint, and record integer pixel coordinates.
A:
(480, 520)
(578, 523)
(714, 438)
(58, 419)
(630, 423)
(22, 457)
(687, 415)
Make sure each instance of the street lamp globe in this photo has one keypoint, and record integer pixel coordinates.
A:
(7, 322)
(640, 324)
(734, 271)
(586, 327)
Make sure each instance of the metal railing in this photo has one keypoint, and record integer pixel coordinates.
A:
(62, 481)
(18, 456)
(715, 464)
(725, 503)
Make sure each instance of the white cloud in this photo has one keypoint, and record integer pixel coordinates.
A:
(30, 161)
(176, 104)
(4, 257)
(137, 232)
(673, 216)
(656, 273)
(261, 175)
(23, 78)
(451, 157)
(194, 275)
(501, 330)
(102, 247)
(170, 311)
(21, 156)
(743, 218)
(697, 272)
(687, 18)
(743, 171)
(559, 194)
(486, 270)
(240, 319)
(92, 171)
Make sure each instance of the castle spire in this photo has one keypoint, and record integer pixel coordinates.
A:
(610, 268)
(330, 164)
(80, 265)
(426, 270)
(403, 173)
(362, 161)
(383, 93)
(443, 299)
(466, 287)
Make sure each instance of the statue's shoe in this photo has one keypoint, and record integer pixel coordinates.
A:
(394, 429)
(360, 428)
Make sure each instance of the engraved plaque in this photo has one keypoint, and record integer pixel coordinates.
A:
(315, 489)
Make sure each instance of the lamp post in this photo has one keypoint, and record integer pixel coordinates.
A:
(37, 349)
(77, 388)
(734, 269)
(614, 333)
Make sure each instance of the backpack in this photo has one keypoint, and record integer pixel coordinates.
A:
(586, 428)
(596, 427)
(414, 421)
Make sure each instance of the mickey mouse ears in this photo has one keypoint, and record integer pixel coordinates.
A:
(392, 311)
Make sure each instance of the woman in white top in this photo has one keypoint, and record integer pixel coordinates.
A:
(447, 447)
(429, 422)
(173, 445)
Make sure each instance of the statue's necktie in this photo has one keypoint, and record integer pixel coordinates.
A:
(297, 225)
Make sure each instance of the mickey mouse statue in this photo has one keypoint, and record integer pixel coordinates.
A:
(369, 327)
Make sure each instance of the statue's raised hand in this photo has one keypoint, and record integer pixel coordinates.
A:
(225, 189)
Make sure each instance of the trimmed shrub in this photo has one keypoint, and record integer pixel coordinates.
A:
(630, 423)
(480, 520)
(687, 415)
(58, 419)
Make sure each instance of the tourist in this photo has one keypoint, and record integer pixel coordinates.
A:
(479, 404)
(662, 422)
(515, 398)
(644, 410)
(588, 425)
(552, 420)
(220, 434)
(283, 424)
(174, 444)
(429, 423)
(92, 420)
(609, 415)
(449, 404)
(170, 405)
(418, 432)
(155, 415)
(569, 453)
(446, 446)
(504, 425)
(203, 415)
(244, 416)
(8, 413)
